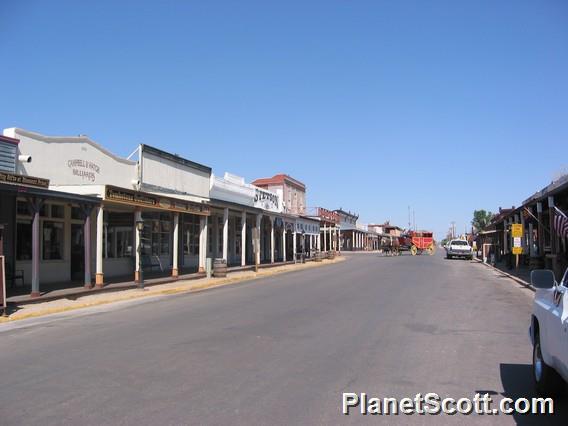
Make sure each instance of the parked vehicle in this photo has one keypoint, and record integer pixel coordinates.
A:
(549, 332)
(459, 248)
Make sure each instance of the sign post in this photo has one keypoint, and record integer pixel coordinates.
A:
(517, 233)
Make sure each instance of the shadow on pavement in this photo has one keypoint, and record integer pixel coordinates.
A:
(517, 383)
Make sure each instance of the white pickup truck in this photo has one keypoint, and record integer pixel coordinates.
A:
(549, 332)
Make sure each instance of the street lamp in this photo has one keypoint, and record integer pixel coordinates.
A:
(139, 229)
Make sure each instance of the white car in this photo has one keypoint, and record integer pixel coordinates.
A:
(459, 248)
(549, 332)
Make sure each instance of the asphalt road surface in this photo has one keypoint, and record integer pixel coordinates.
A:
(280, 350)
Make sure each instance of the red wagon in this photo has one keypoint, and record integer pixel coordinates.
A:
(422, 241)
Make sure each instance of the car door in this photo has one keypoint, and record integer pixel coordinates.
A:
(557, 327)
(563, 336)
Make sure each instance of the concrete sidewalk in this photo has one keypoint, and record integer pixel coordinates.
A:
(23, 311)
(521, 275)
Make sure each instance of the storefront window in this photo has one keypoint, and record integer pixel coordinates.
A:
(118, 238)
(52, 240)
(57, 211)
(23, 208)
(119, 242)
(159, 226)
(191, 235)
(76, 213)
(24, 240)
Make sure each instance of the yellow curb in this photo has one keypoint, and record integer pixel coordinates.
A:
(171, 291)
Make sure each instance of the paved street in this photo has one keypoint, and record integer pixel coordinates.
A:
(280, 350)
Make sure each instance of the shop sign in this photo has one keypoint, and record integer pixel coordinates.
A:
(266, 200)
(328, 215)
(23, 180)
(517, 230)
(136, 198)
(307, 228)
(87, 170)
(517, 245)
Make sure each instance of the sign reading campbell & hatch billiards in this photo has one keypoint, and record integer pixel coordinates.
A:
(144, 199)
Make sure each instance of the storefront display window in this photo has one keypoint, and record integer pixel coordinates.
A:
(24, 240)
(191, 235)
(158, 226)
(52, 240)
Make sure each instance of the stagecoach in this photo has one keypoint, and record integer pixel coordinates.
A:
(418, 242)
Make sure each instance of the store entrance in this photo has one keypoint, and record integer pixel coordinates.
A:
(77, 252)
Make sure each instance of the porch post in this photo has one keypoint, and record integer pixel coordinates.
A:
(330, 239)
(35, 249)
(87, 243)
(540, 231)
(271, 240)
(283, 242)
(324, 238)
(551, 213)
(175, 269)
(225, 234)
(294, 244)
(257, 254)
(531, 240)
(202, 243)
(339, 239)
(137, 276)
(243, 238)
(99, 275)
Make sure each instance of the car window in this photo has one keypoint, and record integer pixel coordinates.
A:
(459, 243)
(564, 281)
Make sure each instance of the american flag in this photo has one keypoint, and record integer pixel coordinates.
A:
(561, 223)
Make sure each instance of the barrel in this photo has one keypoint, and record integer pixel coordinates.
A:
(318, 256)
(331, 254)
(219, 268)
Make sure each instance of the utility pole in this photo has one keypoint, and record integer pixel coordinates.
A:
(413, 220)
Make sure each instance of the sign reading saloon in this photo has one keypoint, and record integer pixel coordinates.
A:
(266, 200)
(134, 198)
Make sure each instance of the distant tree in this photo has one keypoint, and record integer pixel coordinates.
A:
(481, 219)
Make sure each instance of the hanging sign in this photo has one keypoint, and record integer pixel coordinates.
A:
(137, 198)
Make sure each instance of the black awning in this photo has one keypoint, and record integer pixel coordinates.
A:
(47, 193)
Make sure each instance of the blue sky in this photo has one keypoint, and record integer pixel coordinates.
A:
(443, 106)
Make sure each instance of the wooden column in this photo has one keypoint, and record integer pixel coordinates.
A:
(175, 260)
(551, 214)
(272, 240)
(99, 272)
(87, 209)
(35, 206)
(226, 235)
(540, 230)
(243, 238)
(202, 242)
(294, 245)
